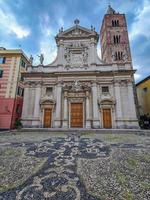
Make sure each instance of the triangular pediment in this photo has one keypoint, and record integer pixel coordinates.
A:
(77, 31)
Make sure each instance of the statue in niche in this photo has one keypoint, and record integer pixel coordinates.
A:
(68, 57)
(85, 56)
(41, 57)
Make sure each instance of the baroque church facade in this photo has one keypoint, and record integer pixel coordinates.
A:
(80, 90)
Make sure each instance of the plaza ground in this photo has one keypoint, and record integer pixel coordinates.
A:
(74, 165)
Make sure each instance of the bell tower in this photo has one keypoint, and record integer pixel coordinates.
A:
(115, 47)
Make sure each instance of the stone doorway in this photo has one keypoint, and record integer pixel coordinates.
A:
(76, 115)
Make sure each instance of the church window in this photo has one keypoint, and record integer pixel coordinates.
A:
(1, 73)
(118, 55)
(105, 89)
(23, 64)
(117, 39)
(115, 23)
(2, 60)
(20, 91)
(49, 90)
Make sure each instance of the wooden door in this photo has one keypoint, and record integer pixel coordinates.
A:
(76, 115)
(47, 117)
(107, 118)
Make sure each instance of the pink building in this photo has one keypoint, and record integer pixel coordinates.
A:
(12, 63)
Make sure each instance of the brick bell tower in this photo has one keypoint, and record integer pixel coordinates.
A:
(115, 47)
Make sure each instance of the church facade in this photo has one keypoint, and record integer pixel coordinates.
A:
(80, 90)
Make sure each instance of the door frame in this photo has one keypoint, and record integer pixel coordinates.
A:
(110, 117)
(50, 118)
(83, 104)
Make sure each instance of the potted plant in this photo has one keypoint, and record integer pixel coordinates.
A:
(18, 124)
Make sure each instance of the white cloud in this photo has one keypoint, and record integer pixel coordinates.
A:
(47, 44)
(137, 76)
(9, 24)
(142, 22)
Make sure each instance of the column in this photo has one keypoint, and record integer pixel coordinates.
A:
(36, 120)
(65, 116)
(131, 102)
(92, 51)
(88, 121)
(96, 120)
(25, 105)
(57, 122)
(60, 53)
(118, 101)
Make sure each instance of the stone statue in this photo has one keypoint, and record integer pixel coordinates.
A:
(41, 58)
(31, 59)
(85, 56)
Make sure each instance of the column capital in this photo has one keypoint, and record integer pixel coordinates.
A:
(87, 93)
(94, 83)
(65, 94)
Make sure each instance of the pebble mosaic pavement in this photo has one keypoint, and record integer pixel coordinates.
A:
(76, 167)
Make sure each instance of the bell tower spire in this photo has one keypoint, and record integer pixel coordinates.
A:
(115, 47)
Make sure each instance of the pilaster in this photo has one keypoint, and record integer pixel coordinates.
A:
(96, 121)
(65, 116)
(88, 120)
(57, 121)
(36, 121)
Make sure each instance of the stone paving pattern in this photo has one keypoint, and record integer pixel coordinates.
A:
(75, 165)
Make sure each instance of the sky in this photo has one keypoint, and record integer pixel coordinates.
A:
(33, 24)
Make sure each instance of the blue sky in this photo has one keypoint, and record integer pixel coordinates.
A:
(33, 24)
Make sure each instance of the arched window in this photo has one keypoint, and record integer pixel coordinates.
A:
(118, 55)
(115, 23)
(117, 39)
(114, 39)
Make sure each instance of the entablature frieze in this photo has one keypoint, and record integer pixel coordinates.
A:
(125, 82)
(76, 94)
(33, 84)
(76, 100)
(77, 86)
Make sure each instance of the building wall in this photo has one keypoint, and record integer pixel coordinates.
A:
(9, 83)
(143, 93)
(118, 99)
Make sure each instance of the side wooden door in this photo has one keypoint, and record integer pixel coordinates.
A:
(76, 115)
(107, 122)
(47, 117)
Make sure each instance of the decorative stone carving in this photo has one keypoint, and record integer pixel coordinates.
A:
(76, 55)
(106, 103)
(76, 86)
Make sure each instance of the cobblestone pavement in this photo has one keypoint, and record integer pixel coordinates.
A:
(74, 166)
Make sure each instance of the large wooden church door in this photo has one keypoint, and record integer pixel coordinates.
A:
(47, 117)
(107, 118)
(76, 115)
